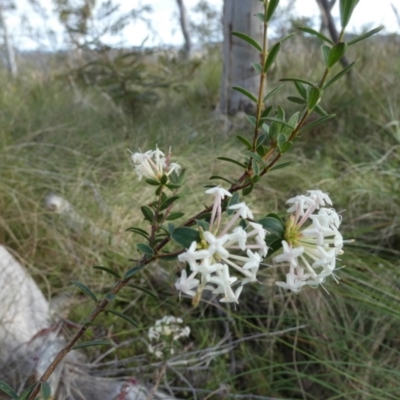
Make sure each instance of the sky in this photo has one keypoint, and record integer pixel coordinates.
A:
(164, 20)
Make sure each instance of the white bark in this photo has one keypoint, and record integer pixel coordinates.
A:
(183, 19)
(238, 55)
(10, 54)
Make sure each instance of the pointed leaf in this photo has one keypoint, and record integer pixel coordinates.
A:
(26, 393)
(46, 390)
(123, 316)
(315, 33)
(204, 224)
(144, 290)
(91, 343)
(287, 37)
(251, 119)
(133, 271)
(257, 67)
(325, 52)
(336, 53)
(283, 165)
(301, 89)
(272, 55)
(185, 236)
(271, 93)
(232, 201)
(247, 39)
(232, 161)
(175, 215)
(247, 190)
(296, 100)
(278, 121)
(147, 213)
(146, 249)
(317, 122)
(339, 75)
(273, 224)
(139, 231)
(222, 178)
(297, 80)
(260, 16)
(246, 93)
(314, 95)
(320, 110)
(245, 141)
(8, 390)
(346, 10)
(285, 146)
(271, 8)
(168, 202)
(365, 35)
(108, 270)
(85, 289)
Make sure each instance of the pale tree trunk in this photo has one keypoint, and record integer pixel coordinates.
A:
(183, 19)
(11, 62)
(238, 55)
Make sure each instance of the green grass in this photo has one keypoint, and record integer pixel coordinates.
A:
(73, 142)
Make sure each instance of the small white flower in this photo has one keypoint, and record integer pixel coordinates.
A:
(243, 210)
(185, 284)
(289, 254)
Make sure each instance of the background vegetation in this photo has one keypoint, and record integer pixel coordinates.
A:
(60, 136)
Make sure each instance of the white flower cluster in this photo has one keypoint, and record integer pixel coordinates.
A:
(153, 164)
(311, 251)
(164, 333)
(217, 253)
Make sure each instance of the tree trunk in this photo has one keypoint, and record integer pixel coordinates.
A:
(10, 55)
(187, 47)
(238, 55)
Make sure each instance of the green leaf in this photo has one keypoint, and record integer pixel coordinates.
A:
(274, 130)
(301, 89)
(139, 231)
(257, 67)
(152, 182)
(175, 215)
(232, 201)
(184, 236)
(280, 113)
(265, 113)
(110, 297)
(204, 224)
(222, 178)
(256, 157)
(281, 139)
(315, 33)
(46, 390)
(108, 270)
(255, 167)
(147, 213)
(26, 393)
(365, 35)
(283, 165)
(272, 55)
(164, 179)
(247, 190)
(320, 110)
(285, 146)
(273, 224)
(168, 202)
(146, 249)
(314, 95)
(296, 100)
(271, 93)
(278, 121)
(91, 343)
(287, 37)
(232, 161)
(346, 10)
(173, 186)
(297, 80)
(8, 390)
(245, 141)
(339, 75)
(261, 139)
(123, 316)
(274, 244)
(336, 53)
(247, 39)
(133, 271)
(260, 16)
(292, 122)
(317, 122)
(251, 119)
(85, 289)
(271, 8)
(246, 93)
(144, 290)
(325, 52)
